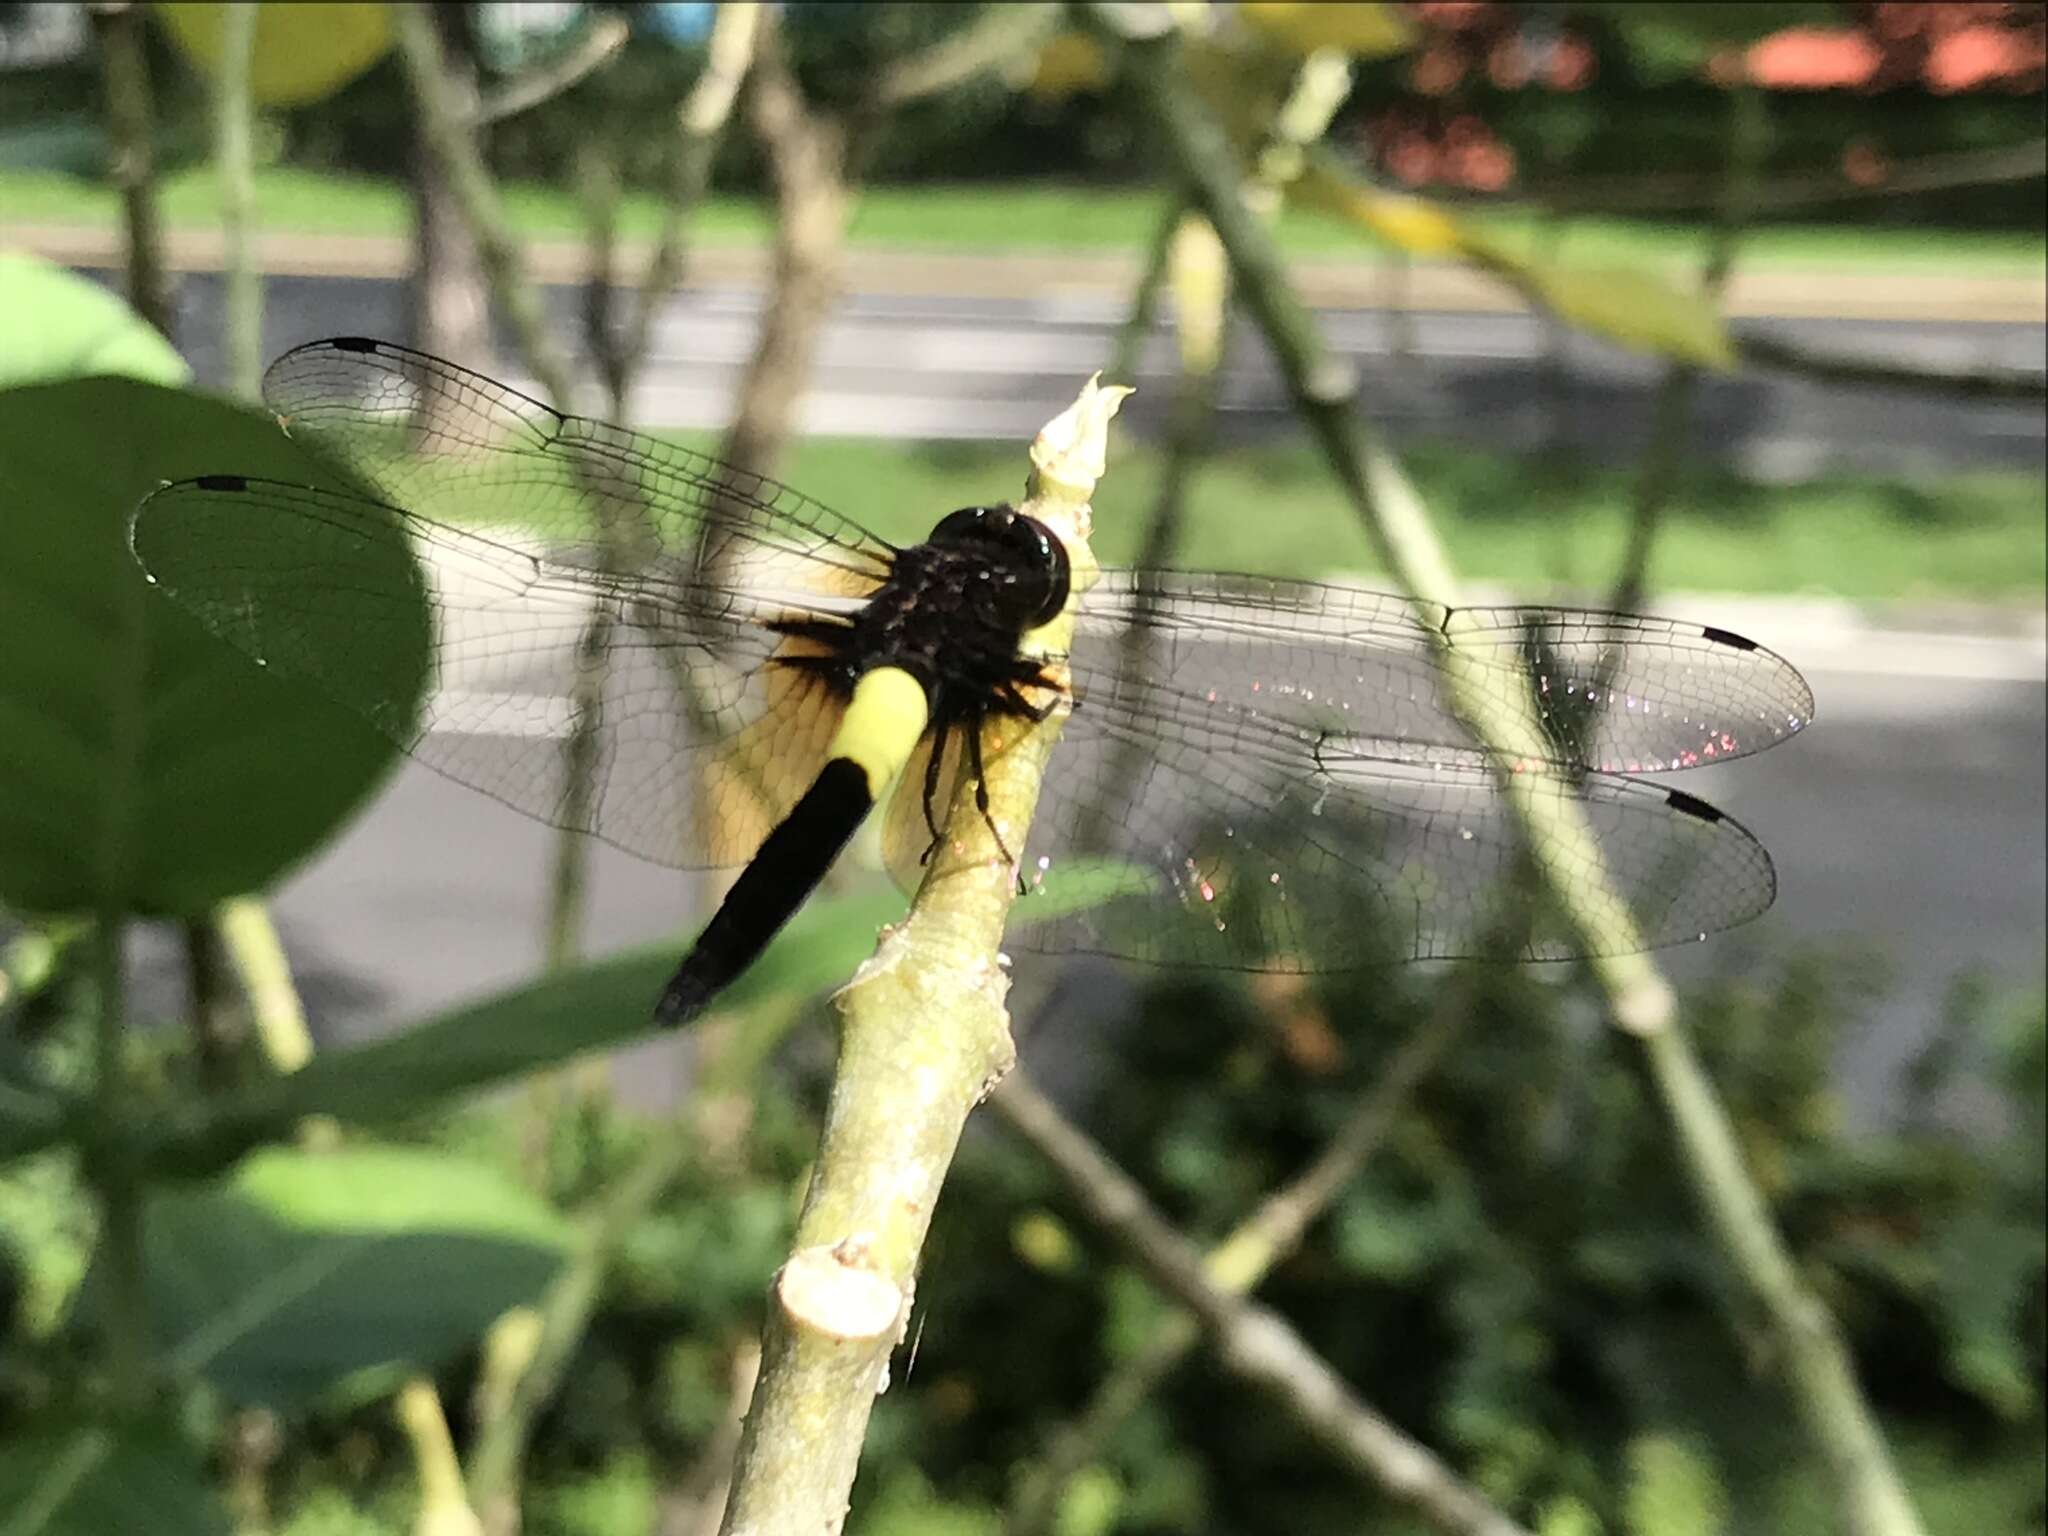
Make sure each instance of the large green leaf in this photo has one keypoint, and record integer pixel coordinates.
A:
(97, 1480)
(589, 1008)
(302, 53)
(77, 328)
(144, 763)
(306, 1268)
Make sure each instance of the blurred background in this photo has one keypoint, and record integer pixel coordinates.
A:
(1731, 312)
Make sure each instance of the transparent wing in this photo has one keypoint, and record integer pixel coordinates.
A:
(1277, 770)
(532, 591)
(1612, 692)
(452, 445)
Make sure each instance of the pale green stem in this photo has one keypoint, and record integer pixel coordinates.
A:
(1817, 1368)
(234, 155)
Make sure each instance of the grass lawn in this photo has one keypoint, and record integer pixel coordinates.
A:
(1505, 519)
(1037, 216)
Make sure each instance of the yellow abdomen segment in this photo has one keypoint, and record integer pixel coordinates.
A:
(882, 725)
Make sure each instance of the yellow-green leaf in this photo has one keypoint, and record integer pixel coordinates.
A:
(1635, 308)
(303, 52)
(1364, 31)
(1071, 64)
(1638, 309)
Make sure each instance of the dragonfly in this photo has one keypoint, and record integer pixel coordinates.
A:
(625, 638)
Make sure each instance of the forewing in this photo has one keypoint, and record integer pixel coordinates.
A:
(1279, 771)
(454, 446)
(501, 660)
(1615, 693)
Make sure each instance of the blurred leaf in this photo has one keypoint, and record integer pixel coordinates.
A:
(303, 52)
(589, 1008)
(304, 1268)
(1365, 31)
(1986, 1268)
(1634, 308)
(79, 328)
(143, 762)
(1673, 1490)
(71, 143)
(1072, 64)
(100, 1480)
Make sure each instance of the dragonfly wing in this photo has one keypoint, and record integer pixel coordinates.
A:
(1278, 779)
(1616, 693)
(1310, 853)
(453, 445)
(501, 660)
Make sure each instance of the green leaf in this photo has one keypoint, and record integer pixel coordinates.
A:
(1637, 309)
(143, 762)
(1365, 31)
(96, 1480)
(302, 52)
(79, 328)
(306, 1268)
(590, 1008)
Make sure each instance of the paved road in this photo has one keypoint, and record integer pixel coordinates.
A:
(926, 366)
(1909, 817)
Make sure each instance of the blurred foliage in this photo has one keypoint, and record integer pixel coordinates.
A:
(1518, 1278)
(1643, 107)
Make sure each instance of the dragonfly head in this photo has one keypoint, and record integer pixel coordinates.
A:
(1027, 564)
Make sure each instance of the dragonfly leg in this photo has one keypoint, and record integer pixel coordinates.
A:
(931, 793)
(981, 803)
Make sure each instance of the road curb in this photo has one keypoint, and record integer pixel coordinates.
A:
(1367, 281)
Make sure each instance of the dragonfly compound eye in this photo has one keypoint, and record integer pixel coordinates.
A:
(1029, 566)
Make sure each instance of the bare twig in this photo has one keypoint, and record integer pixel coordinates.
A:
(810, 159)
(533, 1373)
(259, 962)
(605, 36)
(700, 128)
(452, 135)
(242, 303)
(1673, 192)
(1238, 1263)
(1818, 1368)
(1253, 1341)
(2018, 384)
(1000, 34)
(1748, 141)
(131, 126)
(1127, 348)
(924, 1033)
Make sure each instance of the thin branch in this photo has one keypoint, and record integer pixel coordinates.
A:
(1929, 173)
(1001, 33)
(259, 962)
(452, 138)
(1127, 348)
(701, 122)
(234, 154)
(2024, 385)
(1253, 1341)
(1748, 142)
(511, 1399)
(1237, 1264)
(1818, 1369)
(606, 35)
(131, 128)
(924, 1033)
